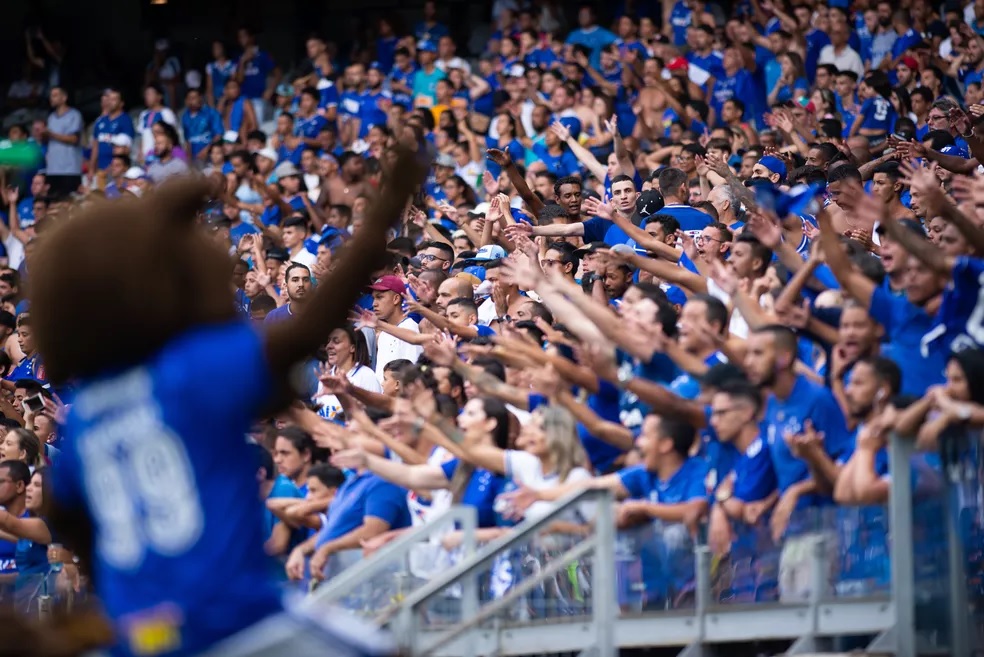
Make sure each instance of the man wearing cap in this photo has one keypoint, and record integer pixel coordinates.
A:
(112, 122)
(387, 304)
(426, 77)
(770, 168)
(202, 125)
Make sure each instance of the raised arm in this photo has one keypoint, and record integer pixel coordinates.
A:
(854, 282)
(414, 477)
(291, 341)
(532, 201)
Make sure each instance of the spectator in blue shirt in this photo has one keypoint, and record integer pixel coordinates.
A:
(747, 494)
(112, 122)
(429, 29)
(590, 35)
(257, 73)
(202, 125)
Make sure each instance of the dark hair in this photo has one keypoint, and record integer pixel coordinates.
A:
(265, 461)
(669, 223)
(31, 445)
(443, 247)
(842, 173)
(716, 310)
(681, 433)
(299, 438)
(670, 180)
(328, 474)
(890, 169)
(18, 470)
(784, 337)
(169, 131)
(971, 361)
(464, 302)
(358, 340)
(622, 178)
(742, 389)
(759, 250)
(887, 371)
(491, 366)
(550, 213)
(296, 265)
(567, 180)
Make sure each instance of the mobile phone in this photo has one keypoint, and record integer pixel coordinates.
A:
(33, 404)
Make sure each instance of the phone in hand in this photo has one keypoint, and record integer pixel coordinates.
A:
(34, 404)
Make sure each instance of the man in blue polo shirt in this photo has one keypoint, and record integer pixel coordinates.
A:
(113, 121)
(674, 187)
(202, 125)
(795, 406)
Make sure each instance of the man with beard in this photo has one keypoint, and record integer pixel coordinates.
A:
(863, 478)
(799, 415)
(857, 338)
(297, 279)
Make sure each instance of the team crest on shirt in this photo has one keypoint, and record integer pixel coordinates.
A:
(154, 631)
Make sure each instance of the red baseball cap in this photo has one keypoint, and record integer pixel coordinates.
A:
(389, 284)
(680, 63)
(909, 62)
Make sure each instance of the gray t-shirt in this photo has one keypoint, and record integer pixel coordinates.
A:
(64, 159)
(160, 171)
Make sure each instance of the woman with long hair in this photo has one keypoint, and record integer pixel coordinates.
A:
(31, 533)
(792, 81)
(22, 445)
(347, 353)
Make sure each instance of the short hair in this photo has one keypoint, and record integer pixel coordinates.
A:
(550, 213)
(719, 144)
(842, 173)
(265, 461)
(707, 208)
(784, 337)
(741, 389)
(739, 104)
(327, 474)
(830, 68)
(491, 366)
(622, 178)
(19, 471)
(296, 221)
(541, 311)
(849, 74)
(887, 372)
(443, 247)
(681, 433)
(468, 304)
(759, 250)
(926, 94)
(669, 223)
(296, 265)
(567, 180)
(890, 169)
(726, 234)
(670, 180)
(567, 251)
(716, 311)
(696, 149)
(311, 91)
(263, 302)
(808, 174)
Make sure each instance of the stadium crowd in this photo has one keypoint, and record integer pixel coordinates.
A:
(708, 262)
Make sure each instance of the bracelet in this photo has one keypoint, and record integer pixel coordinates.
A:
(418, 426)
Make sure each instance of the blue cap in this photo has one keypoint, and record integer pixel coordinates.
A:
(476, 271)
(675, 295)
(956, 151)
(376, 66)
(775, 165)
(426, 45)
(311, 245)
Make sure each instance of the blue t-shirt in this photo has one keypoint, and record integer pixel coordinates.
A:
(481, 491)
(282, 487)
(28, 368)
(594, 39)
(906, 326)
(102, 133)
(878, 114)
(8, 562)
(755, 478)
(961, 315)
(904, 42)
(159, 463)
(201, 128)
(691, 220)
(806, 401)
(220, 72)
(740, 86)
(255, 75)
(713, 63)
(685, 485)
(31, 557)
(365, 495)
(565, 164)
(680, 18)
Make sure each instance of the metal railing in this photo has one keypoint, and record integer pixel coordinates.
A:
(408, 622)
(900, 574)
(395, 554)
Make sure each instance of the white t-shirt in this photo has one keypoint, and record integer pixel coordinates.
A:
(360, 376)
(487, 312)
(145, 124)
(526, 470)
(738, 326)
(847, 60)
(389, 348)
(422, 511)
(305, 257)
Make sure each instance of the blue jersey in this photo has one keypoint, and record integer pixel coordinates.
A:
(8, 564)
(691, 220)
(481, 491)
(878, 114)
(685, 485)
(350, 105)
(680, 18)
(220, 72)
(961, 315)
(105, 128)
(28, 368)
(740, 86)
(909, 340)
(806, 401)
(755, 478)
(365, 495)
(327, 95)
(565, 164)
(309, 127)
(255, 74)
(160, 465)
(201, 128)
(713, 63)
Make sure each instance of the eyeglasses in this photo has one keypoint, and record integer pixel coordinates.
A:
(722, 411)
(937, 117)
(547, 262)
(427, 257)
(701, 238)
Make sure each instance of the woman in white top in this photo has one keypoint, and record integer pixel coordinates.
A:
(348, 353)
(551, 455)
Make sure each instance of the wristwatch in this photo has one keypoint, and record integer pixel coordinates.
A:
(723, 494)
(624, 375)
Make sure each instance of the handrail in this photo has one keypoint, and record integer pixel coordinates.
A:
(488, 554)
(344, 582)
